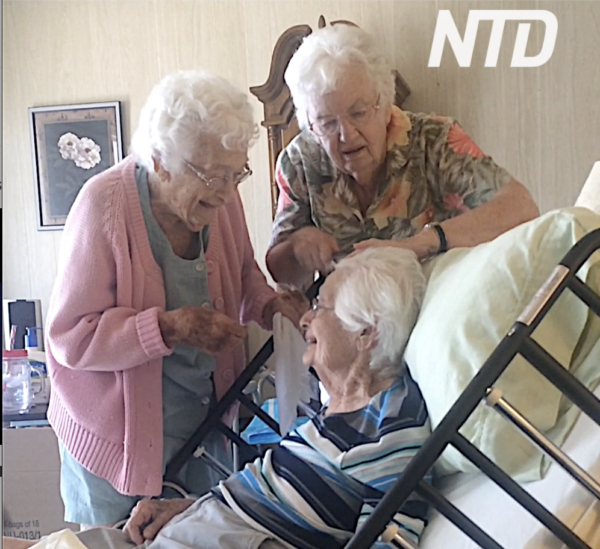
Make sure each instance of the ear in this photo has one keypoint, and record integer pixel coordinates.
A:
(163, 174)
(366, 340)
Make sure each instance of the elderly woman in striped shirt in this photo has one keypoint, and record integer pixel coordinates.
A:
(323, 480)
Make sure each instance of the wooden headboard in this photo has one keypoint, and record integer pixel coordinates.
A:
(274, 94)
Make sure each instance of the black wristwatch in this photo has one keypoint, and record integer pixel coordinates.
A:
(441, 235)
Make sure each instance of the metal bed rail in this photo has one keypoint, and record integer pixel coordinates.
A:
(517, 341)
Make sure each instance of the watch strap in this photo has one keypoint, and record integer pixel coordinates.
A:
(441, 236)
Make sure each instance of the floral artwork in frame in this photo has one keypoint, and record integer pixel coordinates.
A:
(71, 143)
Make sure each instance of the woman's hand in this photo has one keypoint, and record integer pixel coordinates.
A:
(292, 304)
(314, 249)
(150, 515)
(209, 331)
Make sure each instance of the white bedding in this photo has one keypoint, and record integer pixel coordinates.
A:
(509, 524)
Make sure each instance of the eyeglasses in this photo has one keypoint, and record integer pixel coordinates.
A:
(315, 305)
(220, 182)
(331, 125)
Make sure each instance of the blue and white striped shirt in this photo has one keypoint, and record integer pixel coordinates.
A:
(324, 479)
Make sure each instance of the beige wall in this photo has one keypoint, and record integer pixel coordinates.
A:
(541, 123)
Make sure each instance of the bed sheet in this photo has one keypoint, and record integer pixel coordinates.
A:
(508, 523)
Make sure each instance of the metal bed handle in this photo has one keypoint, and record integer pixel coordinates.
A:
(502, 406)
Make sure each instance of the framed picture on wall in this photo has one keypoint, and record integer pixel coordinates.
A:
(71, 143)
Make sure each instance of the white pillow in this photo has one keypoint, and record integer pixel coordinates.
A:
(589, 197)
(473, 297)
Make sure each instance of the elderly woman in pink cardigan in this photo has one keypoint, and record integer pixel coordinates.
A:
(156, 281)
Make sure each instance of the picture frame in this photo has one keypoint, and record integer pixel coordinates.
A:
(70, 144)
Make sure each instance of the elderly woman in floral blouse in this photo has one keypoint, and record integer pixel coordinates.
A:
(365, 173)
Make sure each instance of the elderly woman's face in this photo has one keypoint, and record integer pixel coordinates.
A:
(330, 345)
(195, 193)
(358, 146)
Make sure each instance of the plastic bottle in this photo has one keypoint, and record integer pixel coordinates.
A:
(33, 339)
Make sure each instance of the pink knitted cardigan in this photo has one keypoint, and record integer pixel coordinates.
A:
(104, 347)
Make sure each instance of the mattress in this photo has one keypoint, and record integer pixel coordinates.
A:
(511, 525)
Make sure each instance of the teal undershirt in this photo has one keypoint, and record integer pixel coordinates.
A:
(187, 373)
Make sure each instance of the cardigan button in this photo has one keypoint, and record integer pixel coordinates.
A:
(210, 265)
(228, 375)
(219, 303)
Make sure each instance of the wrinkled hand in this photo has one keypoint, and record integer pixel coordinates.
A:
(292, 304)
(314, 249)
(421, 246)
(209, 331)
(150, 515)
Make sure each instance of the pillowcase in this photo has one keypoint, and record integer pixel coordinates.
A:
(473, 297)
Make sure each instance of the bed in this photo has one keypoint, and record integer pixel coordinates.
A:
(479, 498)
(574, 500)
(460, 490)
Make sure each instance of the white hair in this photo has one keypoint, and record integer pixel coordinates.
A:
(181, 109)
(322, 58)
(383, 290)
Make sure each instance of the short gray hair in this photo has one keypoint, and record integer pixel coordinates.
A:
(325, 54)
(382, 289)
(182, 108)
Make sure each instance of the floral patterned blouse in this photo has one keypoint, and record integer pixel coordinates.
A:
(434, 171)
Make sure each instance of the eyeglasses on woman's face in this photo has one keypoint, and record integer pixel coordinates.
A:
(217, 183)
(315, 305)
(358, 117)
